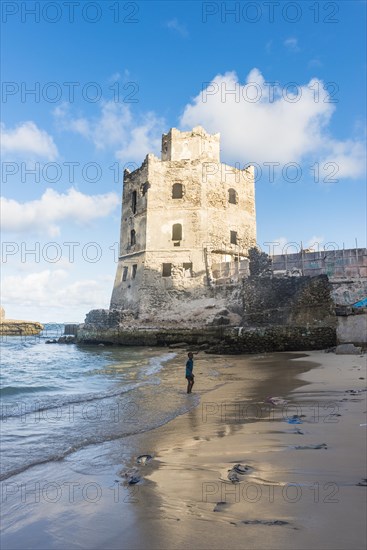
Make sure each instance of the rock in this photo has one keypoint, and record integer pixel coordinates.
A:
(224, 312)
(13, 327)
(220, 321)
(62, 340)
(347, 349)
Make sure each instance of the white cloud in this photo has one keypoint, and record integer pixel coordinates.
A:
(344, 159)
(315, 243)
(116, 127)
(52, 290)
(261, 123)
(28, 140)
(291, 44)
(174, 25)
(283, 245)
(43, 215)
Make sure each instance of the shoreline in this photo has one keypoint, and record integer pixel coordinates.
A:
(185, 498)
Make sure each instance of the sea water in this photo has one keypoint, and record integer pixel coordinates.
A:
(57, 399)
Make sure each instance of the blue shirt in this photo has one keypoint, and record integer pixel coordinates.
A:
(189, 367)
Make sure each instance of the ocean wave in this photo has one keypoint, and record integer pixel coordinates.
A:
(15, 390)
(156, 363)
(59, 401)
(11, 409)
(97, 440)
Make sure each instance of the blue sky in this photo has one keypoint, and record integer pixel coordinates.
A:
(110, 77)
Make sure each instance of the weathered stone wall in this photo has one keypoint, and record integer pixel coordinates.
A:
(291, 301)
(102, 319)
(336, 263)
(215, 212)
(218, 339)
(279, 314)
(352, 329)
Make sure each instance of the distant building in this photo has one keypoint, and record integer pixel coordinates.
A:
(187, 221)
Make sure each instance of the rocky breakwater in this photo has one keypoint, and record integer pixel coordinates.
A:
(16, 327)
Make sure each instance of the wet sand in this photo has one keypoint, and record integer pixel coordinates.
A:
(292, 496)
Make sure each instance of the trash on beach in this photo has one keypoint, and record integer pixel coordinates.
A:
(304, 447)
(298, 431)
(276, 401)
(219, 506)
(132, 476)
(294, 420)
(265, 522)
(143, 459)
(133, 480)
(238, 469)
(362, 483)
(232, 476)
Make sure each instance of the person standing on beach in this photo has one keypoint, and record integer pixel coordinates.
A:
(189, 373)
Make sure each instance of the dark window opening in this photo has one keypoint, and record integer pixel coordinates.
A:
(144, 188)
(232, 196)
(177, 243)
(177, 232)
(133, 201)
(177, 191)
(166, 270)
(188, 269)
(124, 273)
(132, 237)
(233, 237)
(135, 267)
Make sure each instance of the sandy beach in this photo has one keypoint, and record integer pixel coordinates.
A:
(238, 471)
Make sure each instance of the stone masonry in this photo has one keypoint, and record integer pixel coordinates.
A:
(187, 220)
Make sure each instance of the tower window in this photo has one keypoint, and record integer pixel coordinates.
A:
(135, 267)
(132, 237)
(177, 191)
(133, 202)
(166, 270)
(233, 237)
(232, 196)
(177, 232)
(124, 273)
(187, 269)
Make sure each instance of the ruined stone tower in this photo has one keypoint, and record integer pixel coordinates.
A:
(187, 223)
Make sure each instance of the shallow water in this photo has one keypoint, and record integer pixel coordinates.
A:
(57, 398)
